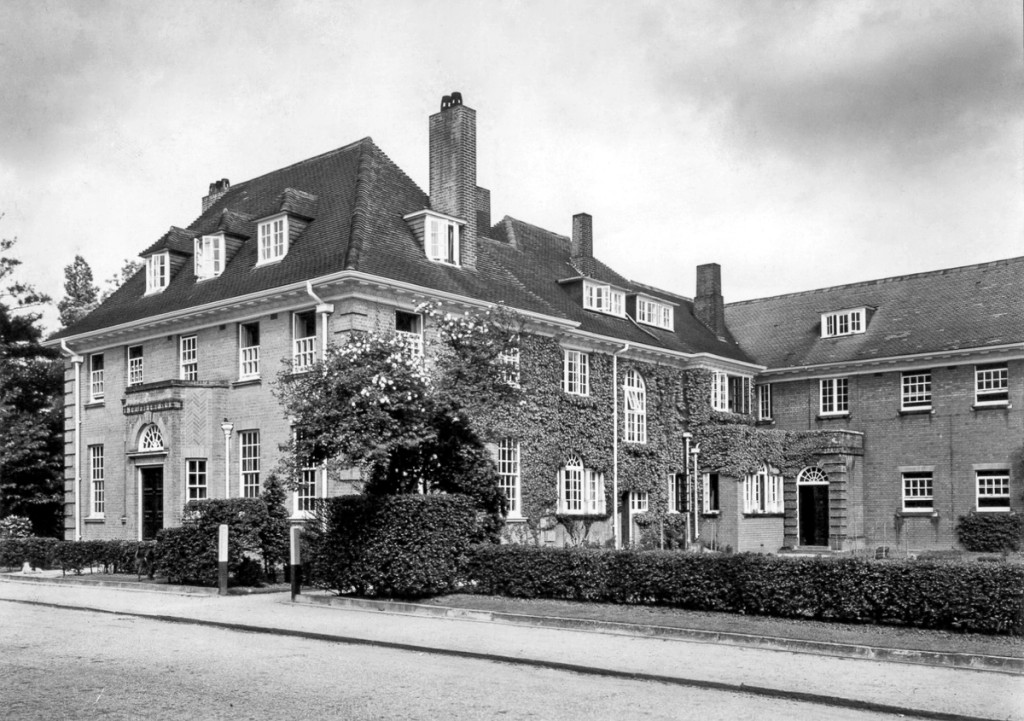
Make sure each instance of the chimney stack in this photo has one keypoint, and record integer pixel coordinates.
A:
(582, 245)
(708, 305)
(453, 188)
(217, 190)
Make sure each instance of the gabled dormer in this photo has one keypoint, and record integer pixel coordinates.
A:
(277, 233)
(652, 311)
(165, 257)
(844, 322)
(438, 234)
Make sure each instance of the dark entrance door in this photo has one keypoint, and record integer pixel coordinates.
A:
(813, 515)
(152, 501)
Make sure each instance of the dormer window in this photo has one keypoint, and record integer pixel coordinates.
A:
(651, 312)
(844, 322)
(272, 235)
(443, 241)
(209, 256)
(603, 298)
(157, 272)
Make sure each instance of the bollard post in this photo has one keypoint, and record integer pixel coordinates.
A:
(296, 561)
(222, 559)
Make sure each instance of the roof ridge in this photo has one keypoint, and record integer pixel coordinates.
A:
(655, 288)
(880, 281)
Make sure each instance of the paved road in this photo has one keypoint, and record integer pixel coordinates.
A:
(70, 664)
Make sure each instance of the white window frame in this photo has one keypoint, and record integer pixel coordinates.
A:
(509, 364)
(763, 492)
(196, 480)
(635, 405)
(97, 482)
(272, 239)
(604, 298)
(639, 501)
(188, 358)
(764, 402)
(916, 390)
(677, 495)
(719, 391)
(248, 355)
(992, 384)
(576, 372)
(707, 507)
(151, 439)
(917, 491)
(992, 483)
(208, 257)
(303, 347)
(834, 396)
(843, 322)
(158, 272)
(96, 377)
(413, 340)
(509, 475)
(651, 312)
(443, 241)
(580, 489)
(305, 495)
(723, 398)
(136, 365)
(249, 464)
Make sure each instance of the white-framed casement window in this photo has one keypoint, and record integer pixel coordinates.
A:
(603, 298)
(158, 272)
(576, 373)
(843, 322)
(651, 312)
(305, 494)
(639, 501)
(993, 490)
(209, 256)
(96, 389)
(249, 463)
(762, 492)
(764, 402)
(189, 358)
(248, 351)
(915, 390)
(992, 384)
(409, 329)
(303, 340)
(918, 490)
(580, 489)
(443, 241)
(272, 235)
(195, 478)
(834, 396)
(709, 494)
(97, 480)
(135, 358)
(677, 493)
(508, 362)
(635, 391)
(730, 393)
(508, 475)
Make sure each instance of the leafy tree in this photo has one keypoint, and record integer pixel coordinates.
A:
(409, 425)
(80, 293)
(31, 406)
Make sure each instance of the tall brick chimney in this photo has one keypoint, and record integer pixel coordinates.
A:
(217, 190)
(708, 305)
(582, 245)
(453, 189)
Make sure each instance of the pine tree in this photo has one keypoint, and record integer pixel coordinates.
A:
(80, 293)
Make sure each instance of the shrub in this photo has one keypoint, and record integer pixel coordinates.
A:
(111, 556)
(274, 539)
(991, 531)
(986, 598)
(15, 527)
(38, 552)
(404, 546)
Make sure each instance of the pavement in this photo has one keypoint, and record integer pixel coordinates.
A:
(910, 683)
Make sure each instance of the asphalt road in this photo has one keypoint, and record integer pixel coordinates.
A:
(72, 664)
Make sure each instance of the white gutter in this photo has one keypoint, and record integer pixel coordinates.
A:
(77, 360)
(615, 445)
(923, 361)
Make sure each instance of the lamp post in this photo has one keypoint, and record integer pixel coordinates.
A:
(227, 426)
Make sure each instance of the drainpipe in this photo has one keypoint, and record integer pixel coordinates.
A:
(227, 426)
(324, 309)
(690, 480)
(615, 444)
(696, 529)
(77, 360)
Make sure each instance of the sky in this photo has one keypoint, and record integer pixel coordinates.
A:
(799, 144)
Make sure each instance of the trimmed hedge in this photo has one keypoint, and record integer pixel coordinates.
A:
(73, 556)
(399, 546)
(37, 551)
(984, 598)
(991, 532)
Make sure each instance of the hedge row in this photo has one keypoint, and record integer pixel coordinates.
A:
(991, 532)
(111, 556)
(985, 598)
(404, 546)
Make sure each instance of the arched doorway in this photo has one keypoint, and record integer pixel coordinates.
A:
(149, 460)
(812, 507)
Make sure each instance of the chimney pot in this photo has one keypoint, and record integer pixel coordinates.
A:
(446, 102)
(217, 190)
(456, 97)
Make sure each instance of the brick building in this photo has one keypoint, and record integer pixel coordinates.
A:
(170, 380)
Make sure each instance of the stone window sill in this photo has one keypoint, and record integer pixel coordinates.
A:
(94, 404)
(833, 416)
(1003, 406)
(246, 382)
(923, 411)
(95, 519)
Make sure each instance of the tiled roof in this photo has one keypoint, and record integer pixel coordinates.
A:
(357, 197)
(974, 306)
